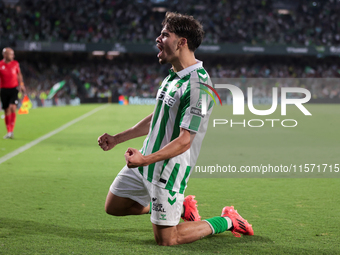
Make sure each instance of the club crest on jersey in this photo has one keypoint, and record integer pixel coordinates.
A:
(175, 88)
(169, 100)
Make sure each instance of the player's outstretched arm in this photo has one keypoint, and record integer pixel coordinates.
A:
(107, 142)
(176, 147)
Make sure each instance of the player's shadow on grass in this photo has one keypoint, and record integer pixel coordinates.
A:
(226, 240)
(140, 235)
(218, 244)
(14, 227)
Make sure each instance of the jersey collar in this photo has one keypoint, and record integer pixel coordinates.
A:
(187, 70)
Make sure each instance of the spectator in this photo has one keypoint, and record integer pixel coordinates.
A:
(233, 21)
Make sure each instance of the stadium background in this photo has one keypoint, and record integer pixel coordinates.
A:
(52, 194)
(106, 48)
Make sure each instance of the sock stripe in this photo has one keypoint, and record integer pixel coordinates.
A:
(218, 224)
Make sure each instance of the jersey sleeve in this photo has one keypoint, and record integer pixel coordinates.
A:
(191, 110)
(18, 67)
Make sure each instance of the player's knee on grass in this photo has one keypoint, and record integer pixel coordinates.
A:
(165, 235)
(165, 242)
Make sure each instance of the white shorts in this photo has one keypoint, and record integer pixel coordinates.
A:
(166, 205)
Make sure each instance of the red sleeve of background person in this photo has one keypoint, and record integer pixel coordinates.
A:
(9, 74)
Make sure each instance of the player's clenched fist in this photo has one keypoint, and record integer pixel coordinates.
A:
(134, 158)
(107, 142)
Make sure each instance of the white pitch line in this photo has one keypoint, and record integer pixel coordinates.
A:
(44, 137)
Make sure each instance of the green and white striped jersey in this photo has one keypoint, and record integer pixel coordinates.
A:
(178, 104)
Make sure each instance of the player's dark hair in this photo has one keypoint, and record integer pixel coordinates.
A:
(185, 26)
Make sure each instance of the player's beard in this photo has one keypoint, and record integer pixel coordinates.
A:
(165, 56)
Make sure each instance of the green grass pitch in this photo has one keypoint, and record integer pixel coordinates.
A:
(52, 195)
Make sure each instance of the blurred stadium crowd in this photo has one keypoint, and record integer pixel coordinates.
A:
(141, 75)
(306, 22)
(257, 22)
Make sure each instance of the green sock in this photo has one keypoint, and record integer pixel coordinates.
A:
(218, 224)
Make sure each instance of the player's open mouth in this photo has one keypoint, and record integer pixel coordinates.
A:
(161, 50)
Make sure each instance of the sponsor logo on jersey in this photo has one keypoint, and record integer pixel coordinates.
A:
(169, 100)
(157, 207)
(196, 111)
